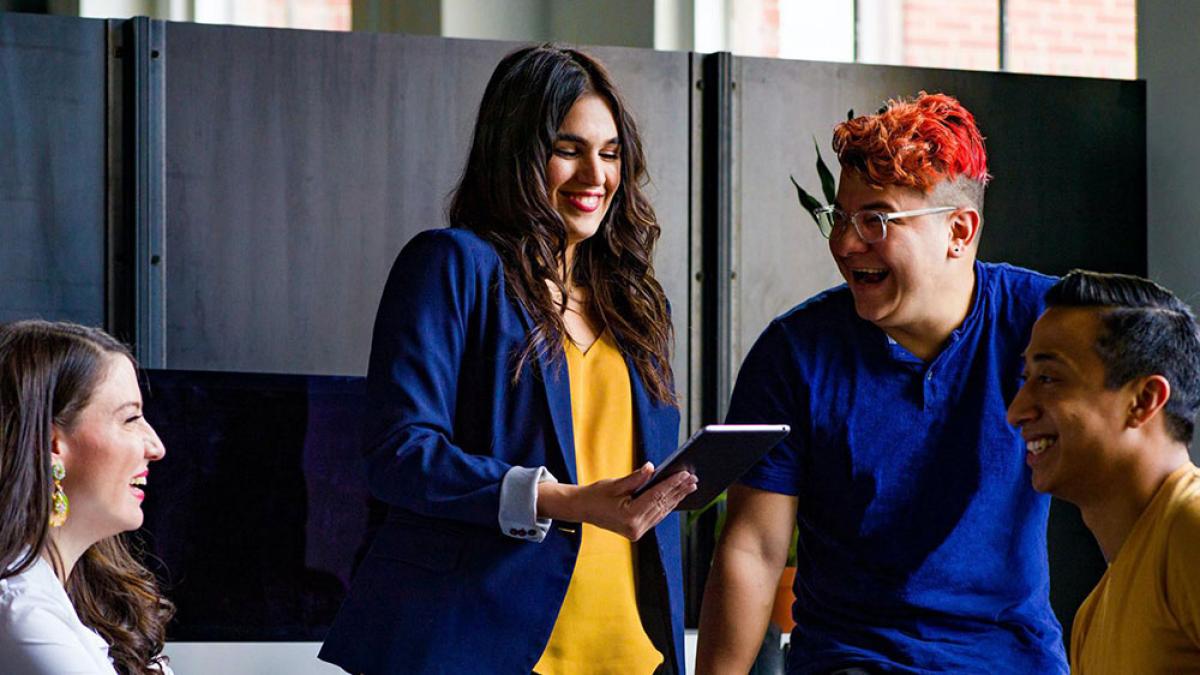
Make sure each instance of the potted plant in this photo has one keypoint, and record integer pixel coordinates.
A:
(828, 185)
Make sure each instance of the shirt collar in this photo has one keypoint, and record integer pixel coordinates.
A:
(898, 353)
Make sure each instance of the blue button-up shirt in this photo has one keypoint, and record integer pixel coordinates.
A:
(922, 545)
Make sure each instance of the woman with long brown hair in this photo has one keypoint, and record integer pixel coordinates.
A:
(74, 457)
(519, 392)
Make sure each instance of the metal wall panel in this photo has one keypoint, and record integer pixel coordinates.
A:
(658, 87)
(299, 163)
(1067, 156)
(52, 140)
(1069, 160)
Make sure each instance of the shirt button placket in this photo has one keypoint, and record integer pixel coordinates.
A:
(928, 389)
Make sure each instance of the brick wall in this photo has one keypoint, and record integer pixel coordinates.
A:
(964, 34)
(755, 27)
(314, 14)
(1094, 38)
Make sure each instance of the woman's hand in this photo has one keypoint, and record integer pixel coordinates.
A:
(610, 503)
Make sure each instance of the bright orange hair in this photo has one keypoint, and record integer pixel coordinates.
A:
(914, 143)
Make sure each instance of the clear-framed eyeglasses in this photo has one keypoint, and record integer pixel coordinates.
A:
(871, 226)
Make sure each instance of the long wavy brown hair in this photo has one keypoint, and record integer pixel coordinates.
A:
(48, 372)
(503, 197)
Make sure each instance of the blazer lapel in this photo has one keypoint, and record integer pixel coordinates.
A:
(556, 380)
(558, 395)
(648, 420)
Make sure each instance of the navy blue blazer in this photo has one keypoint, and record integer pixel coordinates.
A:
(442, 589)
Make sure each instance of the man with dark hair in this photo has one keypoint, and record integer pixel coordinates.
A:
(1107, 411)
(921, 546)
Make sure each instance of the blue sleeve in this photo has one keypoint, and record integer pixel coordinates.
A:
(433, 296)
(767, 393)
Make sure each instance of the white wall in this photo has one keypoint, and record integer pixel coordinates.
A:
(292, 658)
(660, 24)
(521, 20)
(248, 658)
(174, 10)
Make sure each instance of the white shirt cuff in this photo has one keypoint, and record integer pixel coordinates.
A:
(518, 503)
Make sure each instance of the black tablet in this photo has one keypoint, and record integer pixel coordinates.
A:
(717, 454)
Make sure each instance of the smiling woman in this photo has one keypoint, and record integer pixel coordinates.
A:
(585, 169)
(525, 345)
(74, 457)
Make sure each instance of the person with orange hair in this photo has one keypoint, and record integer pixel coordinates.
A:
(922, 546)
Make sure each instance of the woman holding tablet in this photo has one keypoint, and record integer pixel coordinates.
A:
(519, 375)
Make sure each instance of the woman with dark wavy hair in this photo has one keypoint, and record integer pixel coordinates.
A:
(74, 452)
(519, 393)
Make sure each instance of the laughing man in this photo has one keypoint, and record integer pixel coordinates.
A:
(922, 545)
(1107, 411)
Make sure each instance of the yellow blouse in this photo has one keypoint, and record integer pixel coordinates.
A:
(598, 629)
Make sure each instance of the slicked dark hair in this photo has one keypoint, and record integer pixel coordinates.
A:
(1146, 331)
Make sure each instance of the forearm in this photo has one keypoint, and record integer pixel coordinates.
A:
(558, 501)
(735, 611)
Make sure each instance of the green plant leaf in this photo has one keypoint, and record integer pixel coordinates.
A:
(809, 202)
(828, 186)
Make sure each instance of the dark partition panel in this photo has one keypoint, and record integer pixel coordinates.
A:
(52, 171)
(258, 513)
(298, 164)
(1068, 157)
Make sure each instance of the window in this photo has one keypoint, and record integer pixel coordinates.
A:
(315, 14)
(1093, 38)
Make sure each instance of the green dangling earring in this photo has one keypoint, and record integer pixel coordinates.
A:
(60, 505)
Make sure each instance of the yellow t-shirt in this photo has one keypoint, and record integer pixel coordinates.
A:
(1144, 615)
(599, 629)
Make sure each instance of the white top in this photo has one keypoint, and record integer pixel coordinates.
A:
(40, 633)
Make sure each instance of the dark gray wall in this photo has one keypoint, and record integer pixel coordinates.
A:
(299, 163)
(52, 171)
(1068, 156)
(1168, 60)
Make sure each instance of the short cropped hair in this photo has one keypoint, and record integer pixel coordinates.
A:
(1146, 330)
(922, 143)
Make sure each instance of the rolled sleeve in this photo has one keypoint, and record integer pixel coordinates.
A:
(518, 503)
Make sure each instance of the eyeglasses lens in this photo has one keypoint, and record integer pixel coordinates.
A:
(872, 226)
(826, 221)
